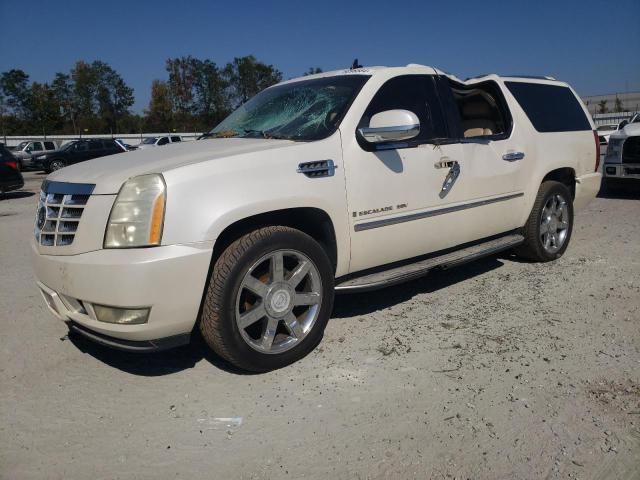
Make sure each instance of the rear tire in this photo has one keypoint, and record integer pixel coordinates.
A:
(550, 224)
(269, 299)
(56, 165)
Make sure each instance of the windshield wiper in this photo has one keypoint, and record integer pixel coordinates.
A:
(266, 134)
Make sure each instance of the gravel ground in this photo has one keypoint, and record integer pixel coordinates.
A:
(494, 370)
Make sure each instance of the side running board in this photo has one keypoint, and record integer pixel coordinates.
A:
(403, 273)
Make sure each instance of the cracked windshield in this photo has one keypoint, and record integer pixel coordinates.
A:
(306, 110)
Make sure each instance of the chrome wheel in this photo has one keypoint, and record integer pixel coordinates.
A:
(56, 165)
(278, 301)
(554, 223)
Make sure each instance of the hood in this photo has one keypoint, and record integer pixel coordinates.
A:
(109, 173)
(631, 130)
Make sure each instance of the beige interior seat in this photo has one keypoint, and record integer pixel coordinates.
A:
(476, 119)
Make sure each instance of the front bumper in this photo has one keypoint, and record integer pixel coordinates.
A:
(587, 187)
(169, 280)
(621, 170)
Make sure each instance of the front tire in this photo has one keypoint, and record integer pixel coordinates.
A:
(550, 224)
(269, 299)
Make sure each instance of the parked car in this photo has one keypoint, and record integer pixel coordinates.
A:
(125, 145)
(77, 151)
(10, 176)
(339, 182)
(622, 161)
(25, 151)
(604, 131)
(159, 141)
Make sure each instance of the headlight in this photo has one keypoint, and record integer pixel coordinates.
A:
(137, 215)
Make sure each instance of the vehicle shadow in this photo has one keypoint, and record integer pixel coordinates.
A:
(154, 364)
(182, 358)
(15, 195)
(368, 302)
(622, 192)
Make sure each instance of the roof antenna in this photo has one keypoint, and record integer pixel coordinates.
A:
(355, 64)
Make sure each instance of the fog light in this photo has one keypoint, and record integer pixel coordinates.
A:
(124, 316)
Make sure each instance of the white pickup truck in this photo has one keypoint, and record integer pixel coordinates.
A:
(622, 161)
(338, 182)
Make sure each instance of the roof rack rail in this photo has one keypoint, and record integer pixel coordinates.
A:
(534, 77)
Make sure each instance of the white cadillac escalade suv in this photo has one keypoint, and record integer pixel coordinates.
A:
(339, 182)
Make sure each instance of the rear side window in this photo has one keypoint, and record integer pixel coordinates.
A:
(175, 139)
(49, 146)
(550, 108)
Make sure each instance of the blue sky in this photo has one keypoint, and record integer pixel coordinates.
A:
(591, 44)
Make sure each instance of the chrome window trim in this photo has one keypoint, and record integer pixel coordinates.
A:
(432, 213)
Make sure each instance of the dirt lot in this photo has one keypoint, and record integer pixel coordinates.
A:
(495, 370)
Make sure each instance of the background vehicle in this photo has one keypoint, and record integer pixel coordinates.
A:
(124, 145)
(622, 160)
(339, 182)
(604, 131)
(77, 151)
(10, 176)
(25, 151)
(159, 141)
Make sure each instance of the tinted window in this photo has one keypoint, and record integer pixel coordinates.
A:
(163, 141)
(49, 146)
(36, 146)
(80, 146)
(550, 108)
(95, 145)
(415, 93)
(175, 139)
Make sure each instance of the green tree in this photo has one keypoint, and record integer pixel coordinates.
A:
(618, 107)
(44, 109)
(113, 96)
(63, 90)
(14, 85)
(211, 101)
(181, 86)
(312, 71)
(602, 106)
(246, 76)
(159, 113)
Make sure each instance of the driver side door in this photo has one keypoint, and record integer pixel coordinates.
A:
(398, 208)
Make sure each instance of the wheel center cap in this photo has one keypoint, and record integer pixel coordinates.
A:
(553, 224)
(280, 300)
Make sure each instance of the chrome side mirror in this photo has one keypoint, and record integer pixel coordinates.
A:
(391, 126)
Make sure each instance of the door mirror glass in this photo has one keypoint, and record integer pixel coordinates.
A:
(391, 126)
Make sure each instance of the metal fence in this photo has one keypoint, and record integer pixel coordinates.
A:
(135, 139)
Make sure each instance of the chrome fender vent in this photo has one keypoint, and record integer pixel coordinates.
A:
(321, 168)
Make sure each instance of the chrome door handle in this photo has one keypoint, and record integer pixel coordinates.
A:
(513, 156)
(450, 179)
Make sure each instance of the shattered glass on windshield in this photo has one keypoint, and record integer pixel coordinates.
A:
(305, 110)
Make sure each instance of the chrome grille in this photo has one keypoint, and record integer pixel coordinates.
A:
(59, 213)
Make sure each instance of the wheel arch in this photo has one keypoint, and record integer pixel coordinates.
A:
(313, 221)
(564, 175)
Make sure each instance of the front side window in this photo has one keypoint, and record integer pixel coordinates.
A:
(304, 110)
(37, 147)
(417, 94)
(175, 139)
(163, 141)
